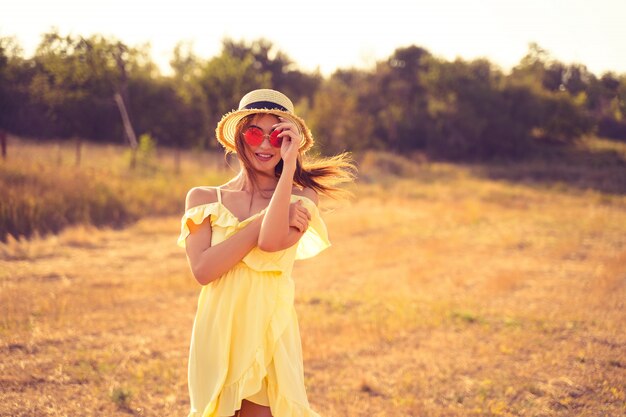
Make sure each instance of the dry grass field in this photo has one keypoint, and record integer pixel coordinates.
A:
(448, 291)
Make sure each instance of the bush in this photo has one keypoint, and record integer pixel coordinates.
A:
(611, 128)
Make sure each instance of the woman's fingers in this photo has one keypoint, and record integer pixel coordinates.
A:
(305, 225)
(301, 225)
(288, 130)
(300, 222)
(304, 221)
(299, 216)
(284, 124)
(289, 150)
(304, 215)
(304, 211)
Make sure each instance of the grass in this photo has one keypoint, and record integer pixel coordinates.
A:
(447, 292)
(45, 191)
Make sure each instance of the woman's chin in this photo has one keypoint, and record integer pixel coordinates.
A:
(266, 166)
(265, 161)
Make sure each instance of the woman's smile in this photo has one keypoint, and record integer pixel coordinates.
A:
(263, 157)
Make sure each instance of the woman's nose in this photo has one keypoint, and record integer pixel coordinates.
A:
(266, 141)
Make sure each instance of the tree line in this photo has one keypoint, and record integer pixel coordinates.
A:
(413, 101)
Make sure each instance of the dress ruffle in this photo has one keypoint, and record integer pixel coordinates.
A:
(266, 261)
(250, 382)
(220, 217)
(315, 239)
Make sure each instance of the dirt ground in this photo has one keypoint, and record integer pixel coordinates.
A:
(458, 297)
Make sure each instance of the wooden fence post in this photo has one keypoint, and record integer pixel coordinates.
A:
(3, 144)
(128, 128)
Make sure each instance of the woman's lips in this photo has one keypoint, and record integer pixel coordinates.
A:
(264, 157)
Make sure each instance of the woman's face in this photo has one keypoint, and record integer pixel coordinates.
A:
(263, 157)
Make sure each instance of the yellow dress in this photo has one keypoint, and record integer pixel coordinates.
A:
(245, 342)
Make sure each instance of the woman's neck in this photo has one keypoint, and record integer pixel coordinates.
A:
(262, 182)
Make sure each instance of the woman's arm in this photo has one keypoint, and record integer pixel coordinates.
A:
(210, 262)
(275, 229)
(276, 233)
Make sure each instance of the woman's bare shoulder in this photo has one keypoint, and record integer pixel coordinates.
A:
(198, 196)
(307, 192)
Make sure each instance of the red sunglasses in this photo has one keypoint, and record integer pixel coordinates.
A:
(254, 137)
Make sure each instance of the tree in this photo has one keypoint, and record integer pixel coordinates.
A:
(14, 79)
(475, 114)
(397, 98)
(192, 112)
(76, 80)
(283, 73)
(336, 118)
(560, 95)
(607, 103)
(224, 79)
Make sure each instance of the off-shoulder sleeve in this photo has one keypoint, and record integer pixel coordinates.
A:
(198, 214)
(315, 239)
(259, 260)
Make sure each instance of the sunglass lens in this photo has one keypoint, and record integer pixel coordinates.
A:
(253, 136)
(275, 141)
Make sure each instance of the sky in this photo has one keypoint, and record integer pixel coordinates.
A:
(328, 34)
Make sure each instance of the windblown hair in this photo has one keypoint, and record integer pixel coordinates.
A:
(323, 174)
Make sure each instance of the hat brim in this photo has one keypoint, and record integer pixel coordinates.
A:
(227, 127)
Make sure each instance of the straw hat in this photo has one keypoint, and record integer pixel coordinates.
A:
(261, 101)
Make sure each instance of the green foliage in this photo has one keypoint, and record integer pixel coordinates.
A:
(147, 147)
(224, 80)
(75, 81)
(478, 115)
(452, 110)
(565, 120)
(412, 101)
(336, 119)
(143, 158)
(280, 69)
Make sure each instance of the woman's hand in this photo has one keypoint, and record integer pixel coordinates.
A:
(299, 216)
(291, 141)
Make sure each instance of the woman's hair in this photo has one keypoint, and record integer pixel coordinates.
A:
(323, 174)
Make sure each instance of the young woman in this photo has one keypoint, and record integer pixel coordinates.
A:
(241, 240)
